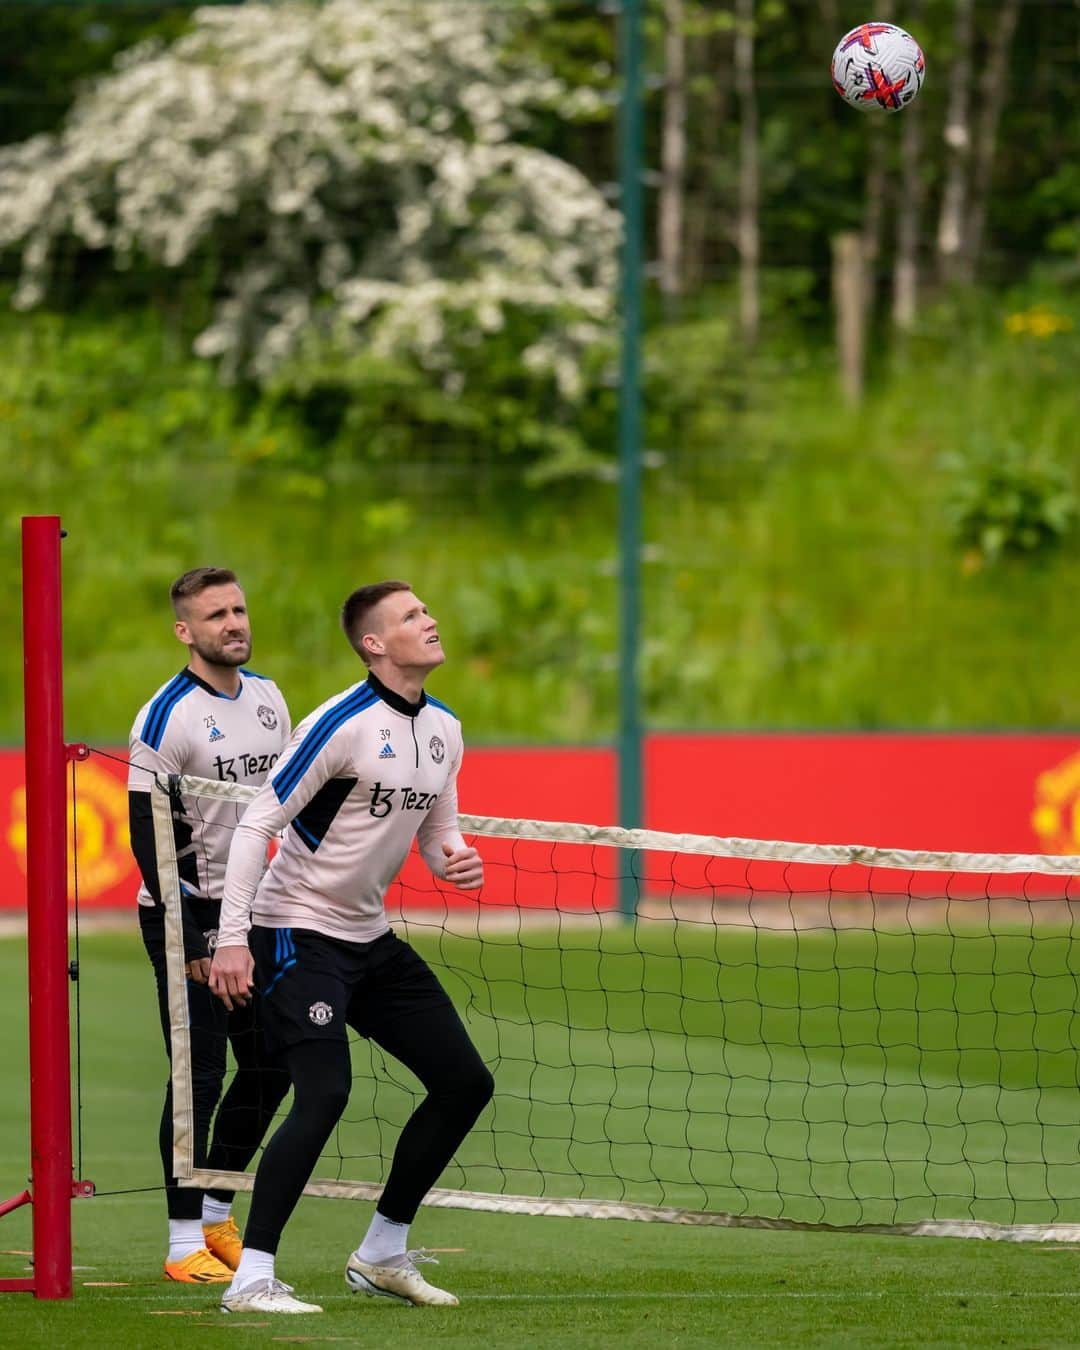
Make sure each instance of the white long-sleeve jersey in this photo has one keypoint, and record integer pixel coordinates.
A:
(188, 727)
(364, 774)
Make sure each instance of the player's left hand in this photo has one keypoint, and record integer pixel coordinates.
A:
(464, 867)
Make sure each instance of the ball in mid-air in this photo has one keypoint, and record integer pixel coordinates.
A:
(878, 65)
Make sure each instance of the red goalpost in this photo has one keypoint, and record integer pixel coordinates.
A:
(52, 1183)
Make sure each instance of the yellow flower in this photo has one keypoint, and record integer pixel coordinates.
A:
(1039, 322)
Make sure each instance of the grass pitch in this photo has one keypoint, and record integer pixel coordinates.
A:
(522, 1281)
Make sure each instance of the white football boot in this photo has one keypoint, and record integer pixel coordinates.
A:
(265, 1296)
(401, 1281)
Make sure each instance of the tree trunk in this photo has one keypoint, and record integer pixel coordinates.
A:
(849, 298)
(994, 90)
(905, 295)
(671, 210)
(877, 180)
(704, 223)
(950, 240)
(906, 270)
(747, 229)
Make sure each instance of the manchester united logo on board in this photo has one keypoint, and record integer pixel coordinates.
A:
(1056, 815)
(321, 1014)
(267, 716)
(438, 750)
(98, 822)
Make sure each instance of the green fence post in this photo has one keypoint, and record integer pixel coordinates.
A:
(631, 141)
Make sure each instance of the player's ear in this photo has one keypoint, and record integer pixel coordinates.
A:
(182, 632)
(372, 644)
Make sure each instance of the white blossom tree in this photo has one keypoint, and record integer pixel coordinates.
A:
(351, 174)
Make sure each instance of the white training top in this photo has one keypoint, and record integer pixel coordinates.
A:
(365, 774)
(189, 727)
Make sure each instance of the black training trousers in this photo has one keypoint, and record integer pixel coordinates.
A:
(394, 999)
(253, 1096)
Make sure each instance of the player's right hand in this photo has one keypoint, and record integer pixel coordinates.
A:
(198, 970)
(232, 976)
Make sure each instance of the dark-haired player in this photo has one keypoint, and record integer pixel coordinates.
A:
(365, 773)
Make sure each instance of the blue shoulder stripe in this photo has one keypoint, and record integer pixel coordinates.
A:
(436, 704)
(293, 770)
(253, 674)
(172, 688)
(157, 719)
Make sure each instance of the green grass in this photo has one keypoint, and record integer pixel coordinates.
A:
(801, 572)
(542, 1281)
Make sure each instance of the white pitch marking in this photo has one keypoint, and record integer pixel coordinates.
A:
(772, 1293)
(673, 1296)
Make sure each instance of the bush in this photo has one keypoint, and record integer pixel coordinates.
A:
(315, 185)
(1007, 501)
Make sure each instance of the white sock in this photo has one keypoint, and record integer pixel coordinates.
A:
(215, 1211)
(254, 1265)
(383, 1240)
(185, 1237)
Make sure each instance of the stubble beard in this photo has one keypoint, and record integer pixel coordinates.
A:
(218, 656)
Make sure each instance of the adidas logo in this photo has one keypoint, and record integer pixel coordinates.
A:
(216, 735)
(387, 752)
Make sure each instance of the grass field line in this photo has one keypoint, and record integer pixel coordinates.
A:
(667, 1296)
(808, 1294)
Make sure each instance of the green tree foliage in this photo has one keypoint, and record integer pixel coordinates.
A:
(47, 52)
(806, 565)
(803, 566)
(349, 186)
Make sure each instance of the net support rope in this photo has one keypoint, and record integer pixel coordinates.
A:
(179, 1024)
(750, 850)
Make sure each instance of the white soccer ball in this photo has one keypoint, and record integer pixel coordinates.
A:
(878, 65)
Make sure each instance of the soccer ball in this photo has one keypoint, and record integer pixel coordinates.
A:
(878, 65)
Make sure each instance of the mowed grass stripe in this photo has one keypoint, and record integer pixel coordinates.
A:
(524, 1282)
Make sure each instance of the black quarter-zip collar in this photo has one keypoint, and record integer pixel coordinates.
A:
(205, 684)
(395, 701)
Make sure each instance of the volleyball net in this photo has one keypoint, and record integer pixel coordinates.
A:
(780, 1034)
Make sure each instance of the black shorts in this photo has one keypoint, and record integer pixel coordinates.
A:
(314, 987)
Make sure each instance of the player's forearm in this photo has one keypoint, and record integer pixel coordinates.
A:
(440, 826)
(247, 860)
(431, 848)
(141, 833)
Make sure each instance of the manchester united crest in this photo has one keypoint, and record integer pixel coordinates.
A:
(438, 750)
(1056, 815)
(267, 716)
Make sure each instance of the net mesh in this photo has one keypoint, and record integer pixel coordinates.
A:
(781, 1034)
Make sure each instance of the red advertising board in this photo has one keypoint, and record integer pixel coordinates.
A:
(981, 793)
(1008, 793)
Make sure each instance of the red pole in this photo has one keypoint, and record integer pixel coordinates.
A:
(46, 887)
